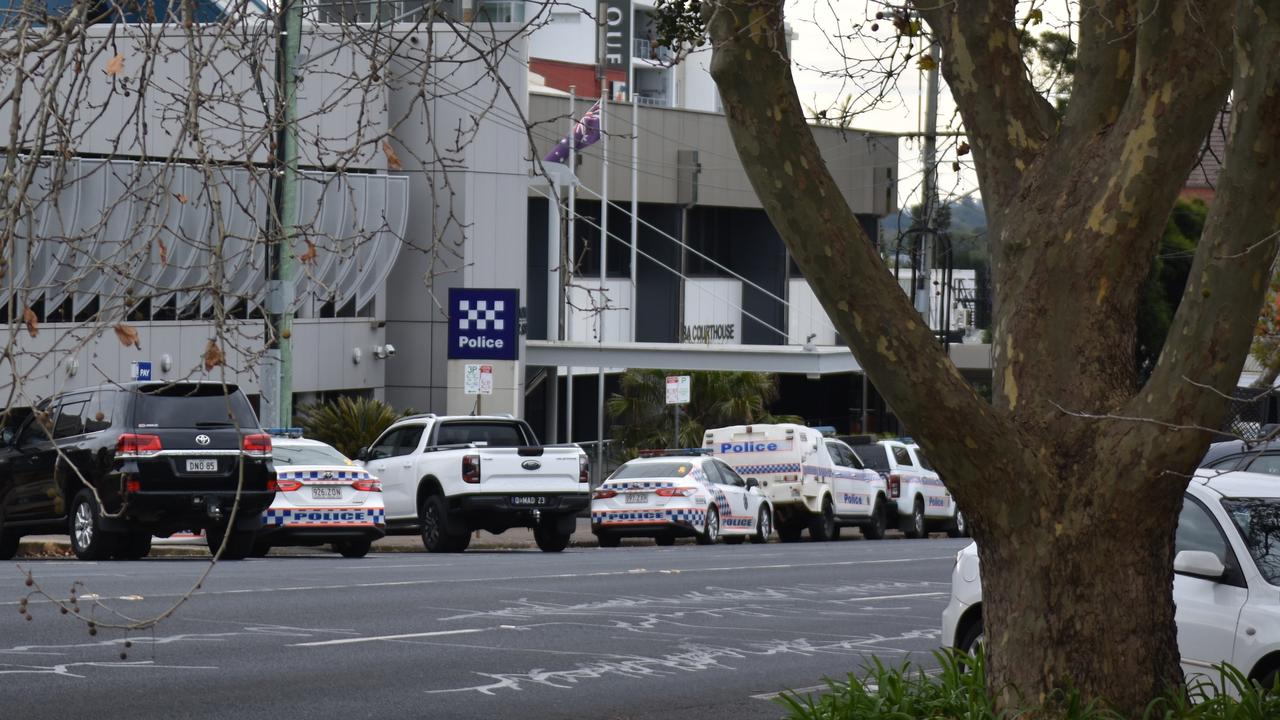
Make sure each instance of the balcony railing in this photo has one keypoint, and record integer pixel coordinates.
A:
(645, 50)
(653, 100)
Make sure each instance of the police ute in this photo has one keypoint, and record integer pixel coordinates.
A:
(322, 498)
(669, 494)
(812, 482)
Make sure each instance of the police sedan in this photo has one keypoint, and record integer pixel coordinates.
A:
(679, 493)
(322, 498)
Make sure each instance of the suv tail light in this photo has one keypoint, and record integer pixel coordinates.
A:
(584, 469)
(604, 494)
(368, 485)
(131, 445)
(284, 485)
(674, 492)
(895, 486)
(258, 444)
(471, 469)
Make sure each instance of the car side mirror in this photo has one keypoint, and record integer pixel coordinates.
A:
(1199, 563)
(363, 455)
(752, 483)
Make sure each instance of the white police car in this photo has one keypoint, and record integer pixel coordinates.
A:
(679, 493)
(321, 498)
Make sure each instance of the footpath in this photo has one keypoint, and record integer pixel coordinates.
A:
(54, 546)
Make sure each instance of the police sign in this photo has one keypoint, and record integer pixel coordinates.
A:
(483, 324)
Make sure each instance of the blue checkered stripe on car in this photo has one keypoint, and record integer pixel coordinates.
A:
(639, 485)
(684, 516)
(320, 475)
(279, 517)
(767, 469)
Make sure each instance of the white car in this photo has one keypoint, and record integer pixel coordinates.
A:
(321, 498)
(1226, 584)
(922, 501)
(679, 494)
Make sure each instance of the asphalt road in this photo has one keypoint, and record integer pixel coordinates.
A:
(634, 632)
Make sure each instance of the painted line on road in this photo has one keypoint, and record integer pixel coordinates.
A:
(896, 597)
(380, 638)
(551, 576)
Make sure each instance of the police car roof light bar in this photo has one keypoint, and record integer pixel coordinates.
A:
(293, 432)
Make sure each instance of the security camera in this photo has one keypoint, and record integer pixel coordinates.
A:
(382, 352)
(390, 350)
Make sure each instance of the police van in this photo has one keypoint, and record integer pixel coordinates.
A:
(813, 483)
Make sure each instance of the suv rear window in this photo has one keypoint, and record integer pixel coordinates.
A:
(872, 456)
(192, 406)
(671, 469)
(494, 434)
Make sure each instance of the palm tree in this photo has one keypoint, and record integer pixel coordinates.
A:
(348, 423)
(642, 419)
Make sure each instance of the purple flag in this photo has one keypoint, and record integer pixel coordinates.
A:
(585, 132)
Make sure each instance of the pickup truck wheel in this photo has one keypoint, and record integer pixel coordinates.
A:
(764, 527)
(550, 539)
(432, 515)
(608, 540)
(916, 529)
(8, 541)
(133, 546)
(711, 529)
(357, 548)
(457, 543)
(88, 541)
(239, 542)
(959, 528)
(874, 529)
(823, 527)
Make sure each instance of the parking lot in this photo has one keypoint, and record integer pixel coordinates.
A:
(634, 632)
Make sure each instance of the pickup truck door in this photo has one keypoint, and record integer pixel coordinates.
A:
(849, 488)
(391, 460)
(937, 500)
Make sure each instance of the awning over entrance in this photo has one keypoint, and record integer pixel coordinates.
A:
(973, 359)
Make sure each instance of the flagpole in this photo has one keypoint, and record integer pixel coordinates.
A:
(635, 205)
(567, 270)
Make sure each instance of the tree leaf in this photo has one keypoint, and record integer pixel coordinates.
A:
(213, 356)
(1035, 17)
(115, 65)
(310, 255)
(33, 324)
(393, 160)
(127, 335)
(963, 149)
(164, 251)
(180, 198)
(926, 62)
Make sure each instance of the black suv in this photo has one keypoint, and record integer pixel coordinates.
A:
(162, 457)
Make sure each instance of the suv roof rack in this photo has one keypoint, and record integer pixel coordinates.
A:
(416, 416)
(674, 452)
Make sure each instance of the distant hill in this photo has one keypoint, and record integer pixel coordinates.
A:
(967, 218)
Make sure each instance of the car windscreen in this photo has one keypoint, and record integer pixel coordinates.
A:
(872, 456)
(494, 434)
(1258, 520)
(192, 406)
(307, 455)
(673, 468)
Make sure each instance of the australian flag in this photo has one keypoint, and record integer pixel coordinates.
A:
(586, 132)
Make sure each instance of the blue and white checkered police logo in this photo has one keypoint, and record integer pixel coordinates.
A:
(483, 324)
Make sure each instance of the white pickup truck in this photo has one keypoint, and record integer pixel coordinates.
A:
(922, 501)
(448, 476)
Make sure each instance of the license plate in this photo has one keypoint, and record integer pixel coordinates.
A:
(326, 493)
(529, 500)
(637, 498)
(209, 465)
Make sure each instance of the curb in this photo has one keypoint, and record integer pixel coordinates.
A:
(55, 549)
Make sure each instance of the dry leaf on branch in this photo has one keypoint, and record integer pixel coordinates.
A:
(393, 160)
(180, 198)
(926, 63)
(213, 356)
(310, 255)
(115, 65)
(29, 317)
(127, 335)
(164, 251)
(963, 149)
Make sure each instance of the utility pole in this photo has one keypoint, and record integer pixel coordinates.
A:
(929, 193)
(603, 256)
(276, 397)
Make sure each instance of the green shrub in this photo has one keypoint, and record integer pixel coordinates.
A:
(348, 423)
(957, 691)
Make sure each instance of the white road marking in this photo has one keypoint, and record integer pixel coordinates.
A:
(772, 695)
(552, 576)
(405, 636)
(895, 597)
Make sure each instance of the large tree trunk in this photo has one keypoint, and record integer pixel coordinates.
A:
(1074, 475)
